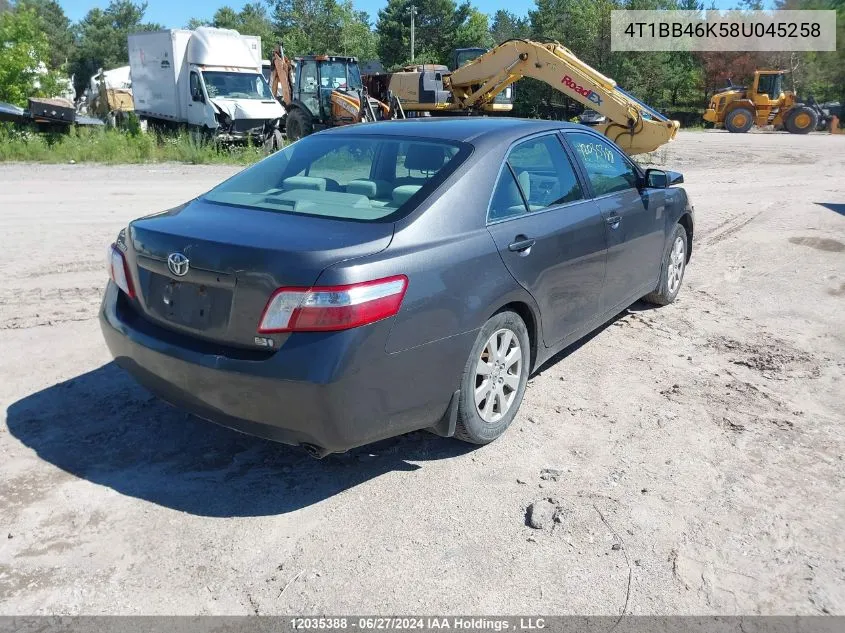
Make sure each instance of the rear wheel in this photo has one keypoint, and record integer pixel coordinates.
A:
(802, 120)
(494, 379)
(298, 124)
(672, 271)
(739, 120)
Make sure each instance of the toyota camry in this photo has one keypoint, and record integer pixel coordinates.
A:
(376, 279)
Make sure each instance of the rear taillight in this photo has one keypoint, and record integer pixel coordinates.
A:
(332, 307)
(119, 271)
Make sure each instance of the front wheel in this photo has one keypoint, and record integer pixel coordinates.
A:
(672, 271)
(494, 379)
(298, 124)
(802, 120)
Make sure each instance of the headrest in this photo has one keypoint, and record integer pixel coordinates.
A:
(362, 188)
(304, 182)
(403, 193)
(424, 157)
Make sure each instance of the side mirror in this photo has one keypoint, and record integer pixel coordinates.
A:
(197, 96)
(660, 179)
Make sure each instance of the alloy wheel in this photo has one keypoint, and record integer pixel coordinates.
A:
(497, 375)
(675, 269)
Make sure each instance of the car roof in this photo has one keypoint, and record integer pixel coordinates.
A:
(473, 129)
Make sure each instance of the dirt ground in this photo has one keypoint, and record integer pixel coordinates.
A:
(693, 454)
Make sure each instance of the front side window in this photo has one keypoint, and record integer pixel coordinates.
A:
(347, 177)
(196, 90)
(607, 168)
(308, 77)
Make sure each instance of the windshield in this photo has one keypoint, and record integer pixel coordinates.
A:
(364, 178)
(333, 75)
(231, 85)
(467, 55)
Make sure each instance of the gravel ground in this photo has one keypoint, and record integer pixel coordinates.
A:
(680, 460)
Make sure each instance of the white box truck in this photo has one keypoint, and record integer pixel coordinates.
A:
(209, 79)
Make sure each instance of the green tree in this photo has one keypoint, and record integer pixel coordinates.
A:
(508, 26)
(474, 32)
(101, 38)
(441, 26)
(323, 27)
(26, 51)
(56, 26)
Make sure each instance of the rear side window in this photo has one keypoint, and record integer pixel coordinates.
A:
(365, 178)
(507, 200)
(537, 173)
(607, 168)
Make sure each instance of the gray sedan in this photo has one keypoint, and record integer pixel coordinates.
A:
(377, 279)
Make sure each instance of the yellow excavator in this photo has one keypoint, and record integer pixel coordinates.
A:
(473, 87)
(327, 86)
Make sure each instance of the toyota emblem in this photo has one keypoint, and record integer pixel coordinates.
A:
(178, 264)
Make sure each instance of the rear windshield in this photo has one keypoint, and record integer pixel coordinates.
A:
(363, 178)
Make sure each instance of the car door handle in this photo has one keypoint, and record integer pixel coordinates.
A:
(521, 244)
(614, 221)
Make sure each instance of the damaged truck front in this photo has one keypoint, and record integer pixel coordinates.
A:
(209, 79)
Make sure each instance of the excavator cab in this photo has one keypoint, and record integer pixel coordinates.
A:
(502, 102)
(737, 108)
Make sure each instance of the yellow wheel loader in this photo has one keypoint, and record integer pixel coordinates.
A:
(738, 108)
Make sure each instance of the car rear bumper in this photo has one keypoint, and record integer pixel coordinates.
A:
(327, 391)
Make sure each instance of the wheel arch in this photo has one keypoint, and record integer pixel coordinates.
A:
(532, 324)
(747, 104)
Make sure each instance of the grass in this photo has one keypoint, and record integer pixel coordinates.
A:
(107, 145)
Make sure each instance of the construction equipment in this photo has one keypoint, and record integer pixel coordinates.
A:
(328, 89)
(738, 108)
(502, 102)
(320, 91)
(473, 87)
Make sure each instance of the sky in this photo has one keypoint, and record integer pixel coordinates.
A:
(176, 14)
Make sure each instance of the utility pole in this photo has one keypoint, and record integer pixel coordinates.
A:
(413, 14)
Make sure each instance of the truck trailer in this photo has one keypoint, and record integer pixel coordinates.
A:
(209, 79)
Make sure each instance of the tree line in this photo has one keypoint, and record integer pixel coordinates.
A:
(38, 33)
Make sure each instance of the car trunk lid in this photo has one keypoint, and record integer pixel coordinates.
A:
(236, 258)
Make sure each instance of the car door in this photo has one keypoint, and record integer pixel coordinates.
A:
(197, 103)
(549, 234)
(633, 216)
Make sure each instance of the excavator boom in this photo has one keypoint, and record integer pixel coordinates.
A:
(633, 125)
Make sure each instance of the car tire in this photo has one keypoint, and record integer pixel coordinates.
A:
(739, 120)
(672, 270)
(802, 120)
(298, 124)
(497, 369)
